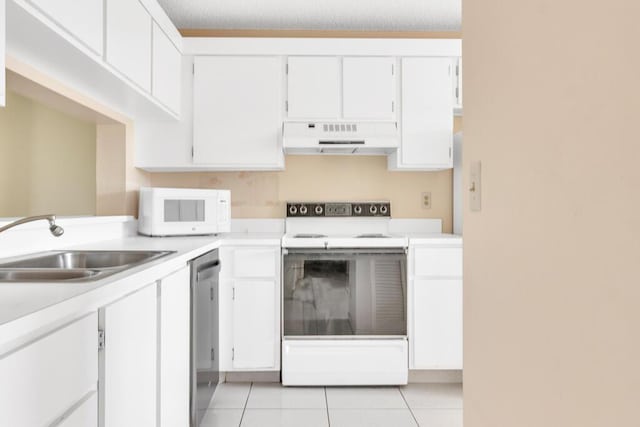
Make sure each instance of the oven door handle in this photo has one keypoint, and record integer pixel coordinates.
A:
(345, 251)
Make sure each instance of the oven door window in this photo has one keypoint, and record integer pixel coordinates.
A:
(345, 293)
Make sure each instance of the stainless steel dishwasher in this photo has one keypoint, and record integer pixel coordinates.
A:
(204, 333)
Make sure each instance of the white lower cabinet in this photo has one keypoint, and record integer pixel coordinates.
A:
(128, 362)
(44, 381)
(174, 306)
(435, 307)
(255, 312)
(85, 415)
(437, 324)
(250, 309)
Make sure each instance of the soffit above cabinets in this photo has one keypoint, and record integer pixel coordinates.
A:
(349, 15)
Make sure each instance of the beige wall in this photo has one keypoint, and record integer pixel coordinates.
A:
(552, 262)
(263, 194)
(47, 161)
(118, 181)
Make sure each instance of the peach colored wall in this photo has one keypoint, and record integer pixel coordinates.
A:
(552, 262)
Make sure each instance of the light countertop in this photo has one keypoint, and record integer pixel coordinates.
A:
(30, 306)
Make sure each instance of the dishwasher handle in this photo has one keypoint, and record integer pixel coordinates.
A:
(208, 270)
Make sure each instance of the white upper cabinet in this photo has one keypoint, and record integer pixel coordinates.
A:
(369, 88)
(82, 19)
(129, 40)
(426, 115)
(238, 105)
(313, 87)
(167, 70)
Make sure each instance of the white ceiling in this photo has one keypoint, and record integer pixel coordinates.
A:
(364, 15)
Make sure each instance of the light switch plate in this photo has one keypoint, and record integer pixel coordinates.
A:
(475, 187)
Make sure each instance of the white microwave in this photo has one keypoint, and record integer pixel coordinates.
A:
(183, 211)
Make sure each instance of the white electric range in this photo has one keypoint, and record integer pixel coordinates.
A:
(344, 296)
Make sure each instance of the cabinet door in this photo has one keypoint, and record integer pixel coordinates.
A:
(129, 360)
(237, 122)
(436, 332)
(255, 332)
(46, 378)
(368, 88)
(167, 70)
(427, 113)
(85, 415)
(82, 19)
(174, 348)
(313, 87)
(128, 32)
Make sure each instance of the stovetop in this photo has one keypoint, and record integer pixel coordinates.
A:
(363, 224)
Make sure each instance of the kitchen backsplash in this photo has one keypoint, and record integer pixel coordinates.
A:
(263, 194)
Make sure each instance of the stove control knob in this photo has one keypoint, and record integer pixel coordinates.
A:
(318, 210)
(373, 209)
(384, 209)
(357, 209)
(303, 210)
(293, 210)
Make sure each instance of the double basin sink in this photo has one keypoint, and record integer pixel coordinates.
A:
(73, 266)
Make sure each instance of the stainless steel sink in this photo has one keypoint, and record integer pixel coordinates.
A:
(73, 265)
(84, 259)
(46, 275)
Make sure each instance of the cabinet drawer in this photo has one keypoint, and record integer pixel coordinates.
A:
(437, 262)
(255, 263)
(47, 377)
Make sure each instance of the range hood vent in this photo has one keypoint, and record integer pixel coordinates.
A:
(340, 138)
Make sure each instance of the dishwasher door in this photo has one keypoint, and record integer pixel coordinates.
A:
(204, 333)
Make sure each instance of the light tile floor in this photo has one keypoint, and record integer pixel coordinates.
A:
(271, 405)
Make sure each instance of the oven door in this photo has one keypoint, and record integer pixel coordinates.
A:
(344, 293)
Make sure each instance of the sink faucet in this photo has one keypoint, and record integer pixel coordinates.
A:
(55, 229)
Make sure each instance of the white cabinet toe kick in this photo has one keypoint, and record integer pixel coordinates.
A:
(329, 362)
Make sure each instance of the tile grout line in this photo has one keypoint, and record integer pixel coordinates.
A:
(409, 407)
(245, 404)
(326, 403)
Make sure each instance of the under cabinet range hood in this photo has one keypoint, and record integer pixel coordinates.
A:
(340, 137)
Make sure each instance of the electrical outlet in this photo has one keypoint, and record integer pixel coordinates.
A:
(426, 200)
